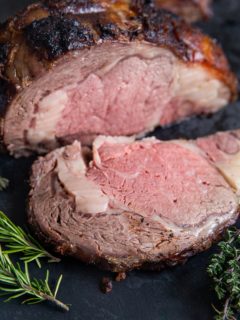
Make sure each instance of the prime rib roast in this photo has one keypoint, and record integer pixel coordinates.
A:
(136, 204)
(76, 69)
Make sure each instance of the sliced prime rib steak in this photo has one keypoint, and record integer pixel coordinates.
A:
(136, 204)
(77, 69)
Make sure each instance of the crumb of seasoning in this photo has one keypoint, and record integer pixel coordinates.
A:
(106, 285)
(121, 276)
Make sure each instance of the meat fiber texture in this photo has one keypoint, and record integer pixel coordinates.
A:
(78, 69)
(136, 204)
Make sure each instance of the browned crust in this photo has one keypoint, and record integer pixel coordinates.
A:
(61, 248)
(191, 10)
(32, 42)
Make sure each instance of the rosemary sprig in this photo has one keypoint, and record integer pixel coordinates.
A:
(16, 283)
(17, 240)
(3, 183)
(224, 269)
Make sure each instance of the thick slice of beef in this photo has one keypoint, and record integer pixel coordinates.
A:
(131, 204)
(77, 69)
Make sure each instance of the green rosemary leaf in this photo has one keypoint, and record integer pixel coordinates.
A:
(16, 282)
(224, 270)
(31, 301)
(17, 240)
(3, 183)
(57, 286)
(15, 296)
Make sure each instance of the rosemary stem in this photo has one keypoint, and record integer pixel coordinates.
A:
(49, 298)
(53, 258)
(226, 309)
(57, 302)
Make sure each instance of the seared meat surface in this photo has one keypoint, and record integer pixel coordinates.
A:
(136, 203)
(191, 10)
(76, 69)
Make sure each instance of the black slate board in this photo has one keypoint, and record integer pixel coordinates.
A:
(181, 293)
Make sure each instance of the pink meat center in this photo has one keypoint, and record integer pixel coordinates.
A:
(129, 92)
(162, 179)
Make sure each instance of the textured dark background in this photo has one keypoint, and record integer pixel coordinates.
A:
(181, 293)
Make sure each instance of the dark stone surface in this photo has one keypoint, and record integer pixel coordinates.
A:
(181, 293)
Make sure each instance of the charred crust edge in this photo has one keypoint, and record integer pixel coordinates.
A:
(53, 28)
(7, 90)
(164, 28)
(56, 35)
(4, 48)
